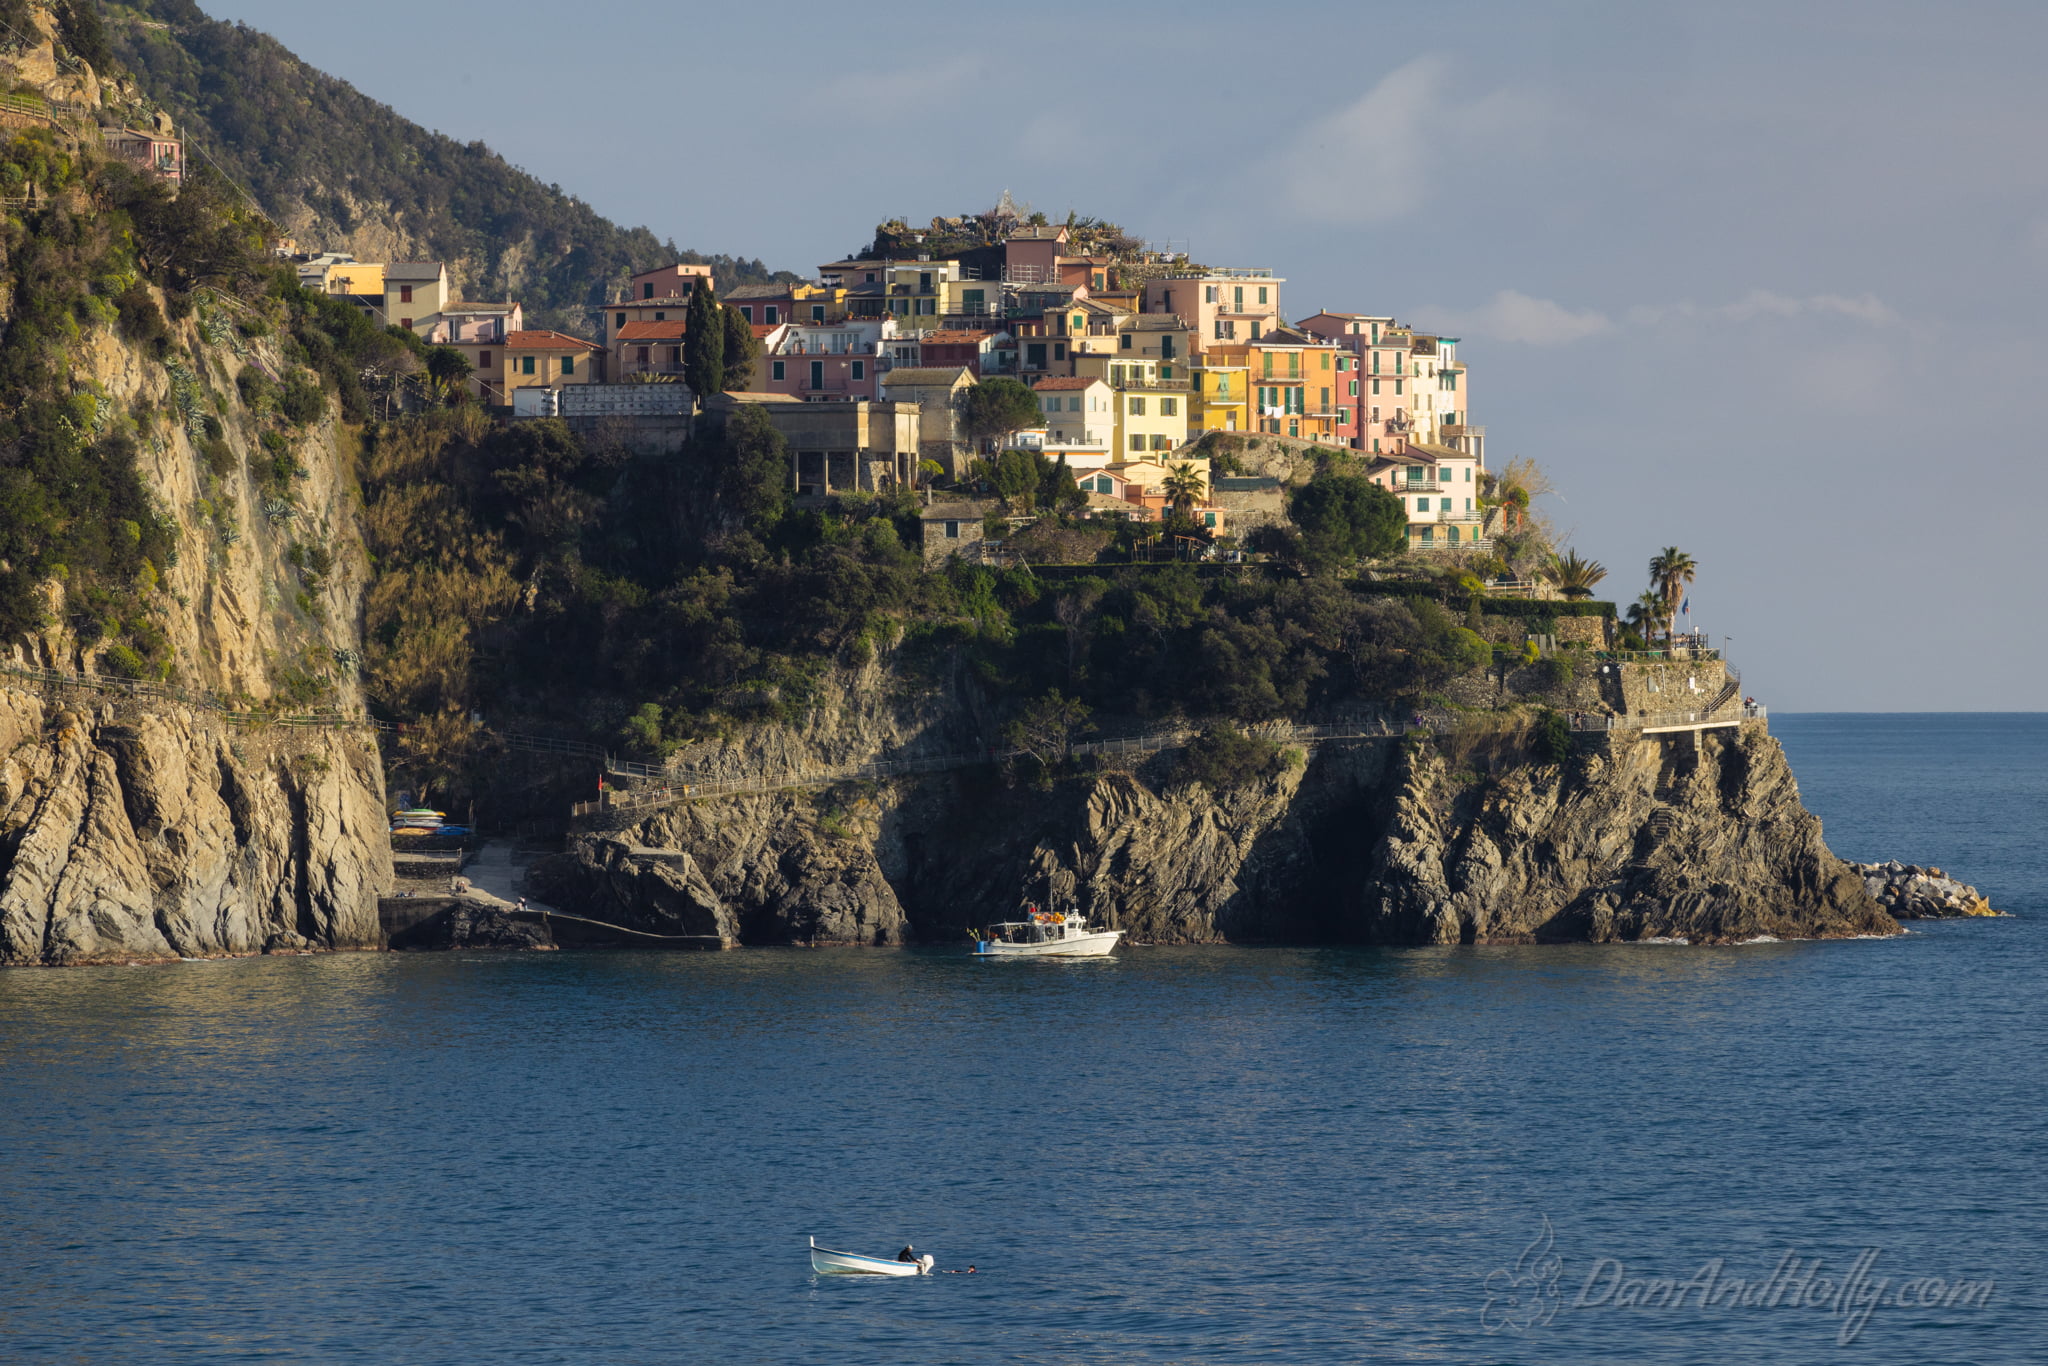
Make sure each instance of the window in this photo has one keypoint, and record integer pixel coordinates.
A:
(1343, 417)
(1267, 357)
(860, 369)
(405, 294)
(1397, 386)
(924, 282)
(647, 291)
(1137, 408)
(1223, 386)
(952, 531)
(1294, 365)
(1293, 427)
(777, 370)
(1208, 519)
(770, 314)
(1255, 331)
(817, 374)
(1326, 401)
(568, 365)
(928, 306)
(1454, 535)
(675, 355)
(660, 315)
(1354, 389)
(1098, 280)
(620, 321)
(405, 323)
(1375, 445)
(1169, 407)
(1059, 350)
(1137, 442)
(1326, 360)
(747, 312)
(1375, 412)
(1468, 505)
(640, 354)
(1209, 295)
(1444, 476)
(1237, 297)
(1034, 355)
(1123, 342)
(1052, 404)
(817, 313)
(526, 365)
(1428, 535)
(1468, 479)
(871, 277)
(483, 360)
(1262, 294)
(973, 298)
(1160, 443)
(1074, 404)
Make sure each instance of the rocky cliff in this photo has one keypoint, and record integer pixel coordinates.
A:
(130, 834)
(1378, 842)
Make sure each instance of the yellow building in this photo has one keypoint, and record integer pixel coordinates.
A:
(415, 293)
(1151, 396)
(1296, 387)
(1220, 395)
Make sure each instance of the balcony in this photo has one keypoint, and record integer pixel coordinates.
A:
(1460, 429)
(1165, 386)
(1473, 516)
(1417, 486)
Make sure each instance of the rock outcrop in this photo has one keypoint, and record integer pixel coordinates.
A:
(135, 835)
(1909, 892)
(1375, 842)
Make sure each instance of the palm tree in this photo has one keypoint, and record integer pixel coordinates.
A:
(1574, 574)
(1184, 487)
(1646, 615)
(1671, 572)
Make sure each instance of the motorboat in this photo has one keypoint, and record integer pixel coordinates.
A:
(1046, 934)
(826, 1262)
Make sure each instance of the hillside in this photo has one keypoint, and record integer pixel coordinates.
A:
(340, 171)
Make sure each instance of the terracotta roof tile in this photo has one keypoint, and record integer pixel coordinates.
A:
(541, 339)
(669, 330)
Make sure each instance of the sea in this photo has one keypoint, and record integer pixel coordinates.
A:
(1778, 1152)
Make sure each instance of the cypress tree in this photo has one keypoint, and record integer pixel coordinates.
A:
(704, 343)
(742, 349)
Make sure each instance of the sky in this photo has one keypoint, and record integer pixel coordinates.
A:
(1762, 281)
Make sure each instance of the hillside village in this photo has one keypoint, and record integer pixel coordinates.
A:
(1138, 361)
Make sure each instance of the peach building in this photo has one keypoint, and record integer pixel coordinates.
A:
(1220, 306)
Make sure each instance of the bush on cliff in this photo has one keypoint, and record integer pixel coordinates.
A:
(1223, 757)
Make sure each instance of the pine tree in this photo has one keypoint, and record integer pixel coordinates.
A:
(704, 343)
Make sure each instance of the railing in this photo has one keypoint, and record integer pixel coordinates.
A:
(191, 697)
(1172, 386)
(1416, 486)
(1655, 656)
(683, 786)
(1443, 516)
(1667, 720)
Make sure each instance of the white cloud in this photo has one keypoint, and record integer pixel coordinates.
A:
(1764, 303)
(1372, 160)
(1513, 316)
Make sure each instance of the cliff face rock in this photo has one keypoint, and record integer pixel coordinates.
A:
(1374, 842)
(166, 834)
(1648, 840)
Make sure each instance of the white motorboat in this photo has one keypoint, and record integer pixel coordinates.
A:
(826, 1262)
(1046, 934)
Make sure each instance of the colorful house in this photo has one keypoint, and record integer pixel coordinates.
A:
(415, 293)
(665, 308)
(648, 348)
(827, 362)
(676, 281)
(548, 359)
(981, 351)
(1439, 489)
(1220, 306)
(1080, 419)
(1219, 396)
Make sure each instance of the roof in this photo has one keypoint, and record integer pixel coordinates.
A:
(946, 375)
(763, 331)
(1288, 336)
(468, 307)
(541, 339)
(1050, 233)
(413, 270)
(668, 330)
(1436, 452)
(755, 292)
(962, 338)
(1069, 382)
(1157, 322)
(679, 300)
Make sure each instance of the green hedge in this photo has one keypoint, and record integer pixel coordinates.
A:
(1493, 607)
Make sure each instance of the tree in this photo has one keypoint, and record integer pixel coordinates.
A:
(1045, 728)
(1345, 517)
(742, 350)
(1574, 575)
(448, 365)
(1671, 571)
(1646, 616)
(704, 343)
(997, 407)
(1184, 487)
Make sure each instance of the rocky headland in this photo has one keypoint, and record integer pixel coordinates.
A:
(1908, 891)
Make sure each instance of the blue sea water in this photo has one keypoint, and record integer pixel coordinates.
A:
(1210, 1155)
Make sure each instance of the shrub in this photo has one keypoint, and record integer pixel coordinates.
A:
(303, 401)
(256, 388)
(1552, 737)
(1223, 757)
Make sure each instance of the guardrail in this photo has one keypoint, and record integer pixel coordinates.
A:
(684, 787)
(1669, 720)
(135, 687)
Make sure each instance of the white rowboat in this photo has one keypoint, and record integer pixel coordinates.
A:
(826, 1262)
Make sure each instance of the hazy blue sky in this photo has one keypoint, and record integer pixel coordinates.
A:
(1762, 281)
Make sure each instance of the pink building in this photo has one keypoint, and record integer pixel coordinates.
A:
(669, 282)
(1031, 256)
(827, 362)
(1221, 306)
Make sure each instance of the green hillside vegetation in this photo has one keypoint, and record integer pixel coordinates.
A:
(295, 136)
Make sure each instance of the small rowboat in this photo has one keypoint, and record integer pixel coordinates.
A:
(826, 1262)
